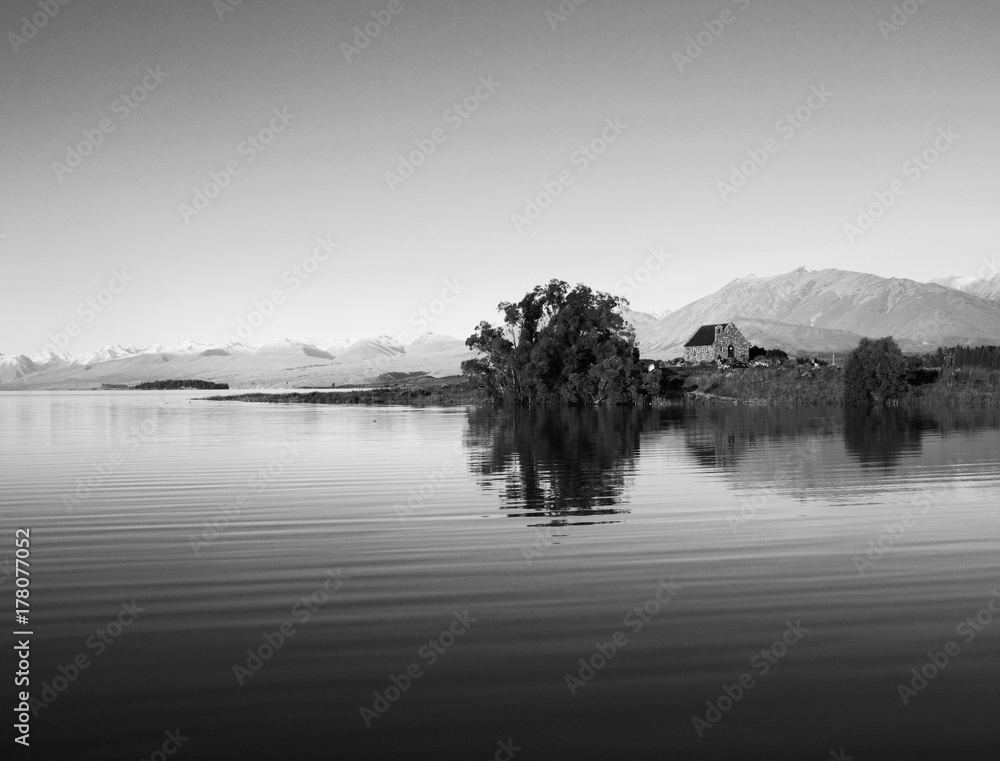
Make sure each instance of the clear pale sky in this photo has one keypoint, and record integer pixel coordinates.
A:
(682, 129)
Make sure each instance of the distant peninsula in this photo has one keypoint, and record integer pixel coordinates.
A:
(443, 393)
(168, 385)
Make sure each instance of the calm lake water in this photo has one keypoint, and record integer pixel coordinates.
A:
(334, 582)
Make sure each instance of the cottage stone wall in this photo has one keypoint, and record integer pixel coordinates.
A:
(730, 335)
(724, 337)
(697, 354)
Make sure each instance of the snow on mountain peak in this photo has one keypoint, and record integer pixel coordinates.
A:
(985, 286)
(428, 338)
(188, 347)
(51, 358)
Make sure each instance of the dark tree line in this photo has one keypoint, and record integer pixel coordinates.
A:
(760, 351)
(964, 356)
(877, 373)
(173, 385)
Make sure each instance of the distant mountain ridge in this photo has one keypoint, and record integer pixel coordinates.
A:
(349, 360)
(803, 312)
(987, 287)
(806, 311)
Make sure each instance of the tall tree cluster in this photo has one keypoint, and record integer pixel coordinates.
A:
(559, 345)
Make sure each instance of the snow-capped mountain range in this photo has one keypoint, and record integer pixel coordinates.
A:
(362, 352)
(802, 311)
(331, 346)
(987, 287)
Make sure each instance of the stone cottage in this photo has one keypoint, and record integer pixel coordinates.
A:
(712, 342)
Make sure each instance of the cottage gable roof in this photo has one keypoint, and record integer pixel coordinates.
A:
(705, 335)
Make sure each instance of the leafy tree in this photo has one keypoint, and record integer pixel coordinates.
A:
(559, 346)
(875, 373)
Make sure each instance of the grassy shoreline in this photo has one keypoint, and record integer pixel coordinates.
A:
(434, 395)
(804, 385)
(784, 386)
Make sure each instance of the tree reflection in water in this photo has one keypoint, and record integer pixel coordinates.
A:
(556, 461)
(880, 436)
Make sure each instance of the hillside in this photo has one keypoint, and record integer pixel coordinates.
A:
(830, 310)
(987, 287)
(291, 363)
